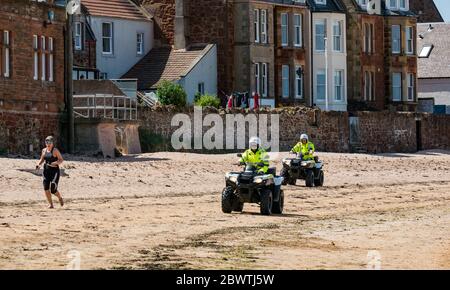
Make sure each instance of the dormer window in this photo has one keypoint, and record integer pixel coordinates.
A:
(398, 4)
(323, 2)
(403, 4)
(392, 4)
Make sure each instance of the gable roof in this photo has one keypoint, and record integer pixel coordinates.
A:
(426, 10)
(437, 65)
(165, 63)
(124, 9)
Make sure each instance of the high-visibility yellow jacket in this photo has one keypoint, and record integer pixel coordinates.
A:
(259, 156)
(307, 150)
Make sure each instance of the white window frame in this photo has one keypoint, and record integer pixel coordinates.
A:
(43, 59)
(397, 87)
(369, 86)
(285, 81)
(36, 57)
(399, 40)
(409, 38)
(78, 36)
(111, 39)
(284, 29)
(50, 60)
(298, 37)
(264, 79)
(405, 7)
(321, 72)
(256, 25)
(7, 59)
(298, 83)
(258, 78)
(339, 86)
(389, 4)
(264, 26)
(139, 43)
(411, 86)
(316, 23)
(368, 38)
(337, 38)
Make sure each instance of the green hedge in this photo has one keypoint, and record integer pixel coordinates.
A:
(171, 94)
(207, 101)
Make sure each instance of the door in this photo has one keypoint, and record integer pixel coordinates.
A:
(354, 131)
(419, 135)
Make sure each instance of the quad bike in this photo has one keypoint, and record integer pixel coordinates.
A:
(297, 168)
(249, 186)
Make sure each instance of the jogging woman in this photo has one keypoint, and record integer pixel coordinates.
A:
(52, 159)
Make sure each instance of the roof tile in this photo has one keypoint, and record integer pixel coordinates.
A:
(114, 8)
(163, 63)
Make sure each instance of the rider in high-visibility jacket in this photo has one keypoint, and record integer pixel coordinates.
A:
(256, 155)
(305, 148)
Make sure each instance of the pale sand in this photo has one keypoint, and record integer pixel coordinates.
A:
(162, 211)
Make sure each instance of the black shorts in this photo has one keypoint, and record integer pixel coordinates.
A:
(51, 179)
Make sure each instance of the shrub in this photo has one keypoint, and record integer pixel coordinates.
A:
(171, 94)
(208, 101)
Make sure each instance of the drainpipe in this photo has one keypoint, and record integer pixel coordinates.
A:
(311, 66)
(69, 83)
(326, 67)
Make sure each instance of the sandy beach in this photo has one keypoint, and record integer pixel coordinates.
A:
(162, 211)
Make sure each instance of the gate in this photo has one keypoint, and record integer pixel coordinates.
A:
(355, 136)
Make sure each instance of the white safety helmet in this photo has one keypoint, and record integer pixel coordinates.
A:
(304, 137)
(254, 143)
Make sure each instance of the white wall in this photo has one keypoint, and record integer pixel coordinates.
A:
(124, 44)
(336, 61)
(204, 72)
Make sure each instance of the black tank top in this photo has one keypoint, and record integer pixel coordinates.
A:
(49, 158)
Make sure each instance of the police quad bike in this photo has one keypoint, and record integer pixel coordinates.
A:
(297, 168)
(249, 186)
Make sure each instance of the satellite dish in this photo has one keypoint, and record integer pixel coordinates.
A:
(73, 7)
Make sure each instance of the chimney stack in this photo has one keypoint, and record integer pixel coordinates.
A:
(181, 24)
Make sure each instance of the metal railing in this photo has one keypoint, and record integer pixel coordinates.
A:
(104, 106)
(145, 100)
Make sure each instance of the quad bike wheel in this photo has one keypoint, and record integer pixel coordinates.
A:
(309, 178)
(227, 200)
(287, 178)
(279, 205)
(320, 179)
(292, 181)
(285, 174)
(238, 205)
(266, 202)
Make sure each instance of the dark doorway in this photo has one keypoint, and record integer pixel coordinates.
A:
(419, 135)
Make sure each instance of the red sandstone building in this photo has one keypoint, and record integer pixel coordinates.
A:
(32, 73)
(382, 59)
(248, 37)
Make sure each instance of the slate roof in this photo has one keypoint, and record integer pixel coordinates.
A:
(330, 6)
(438, 64)
(385, 11)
